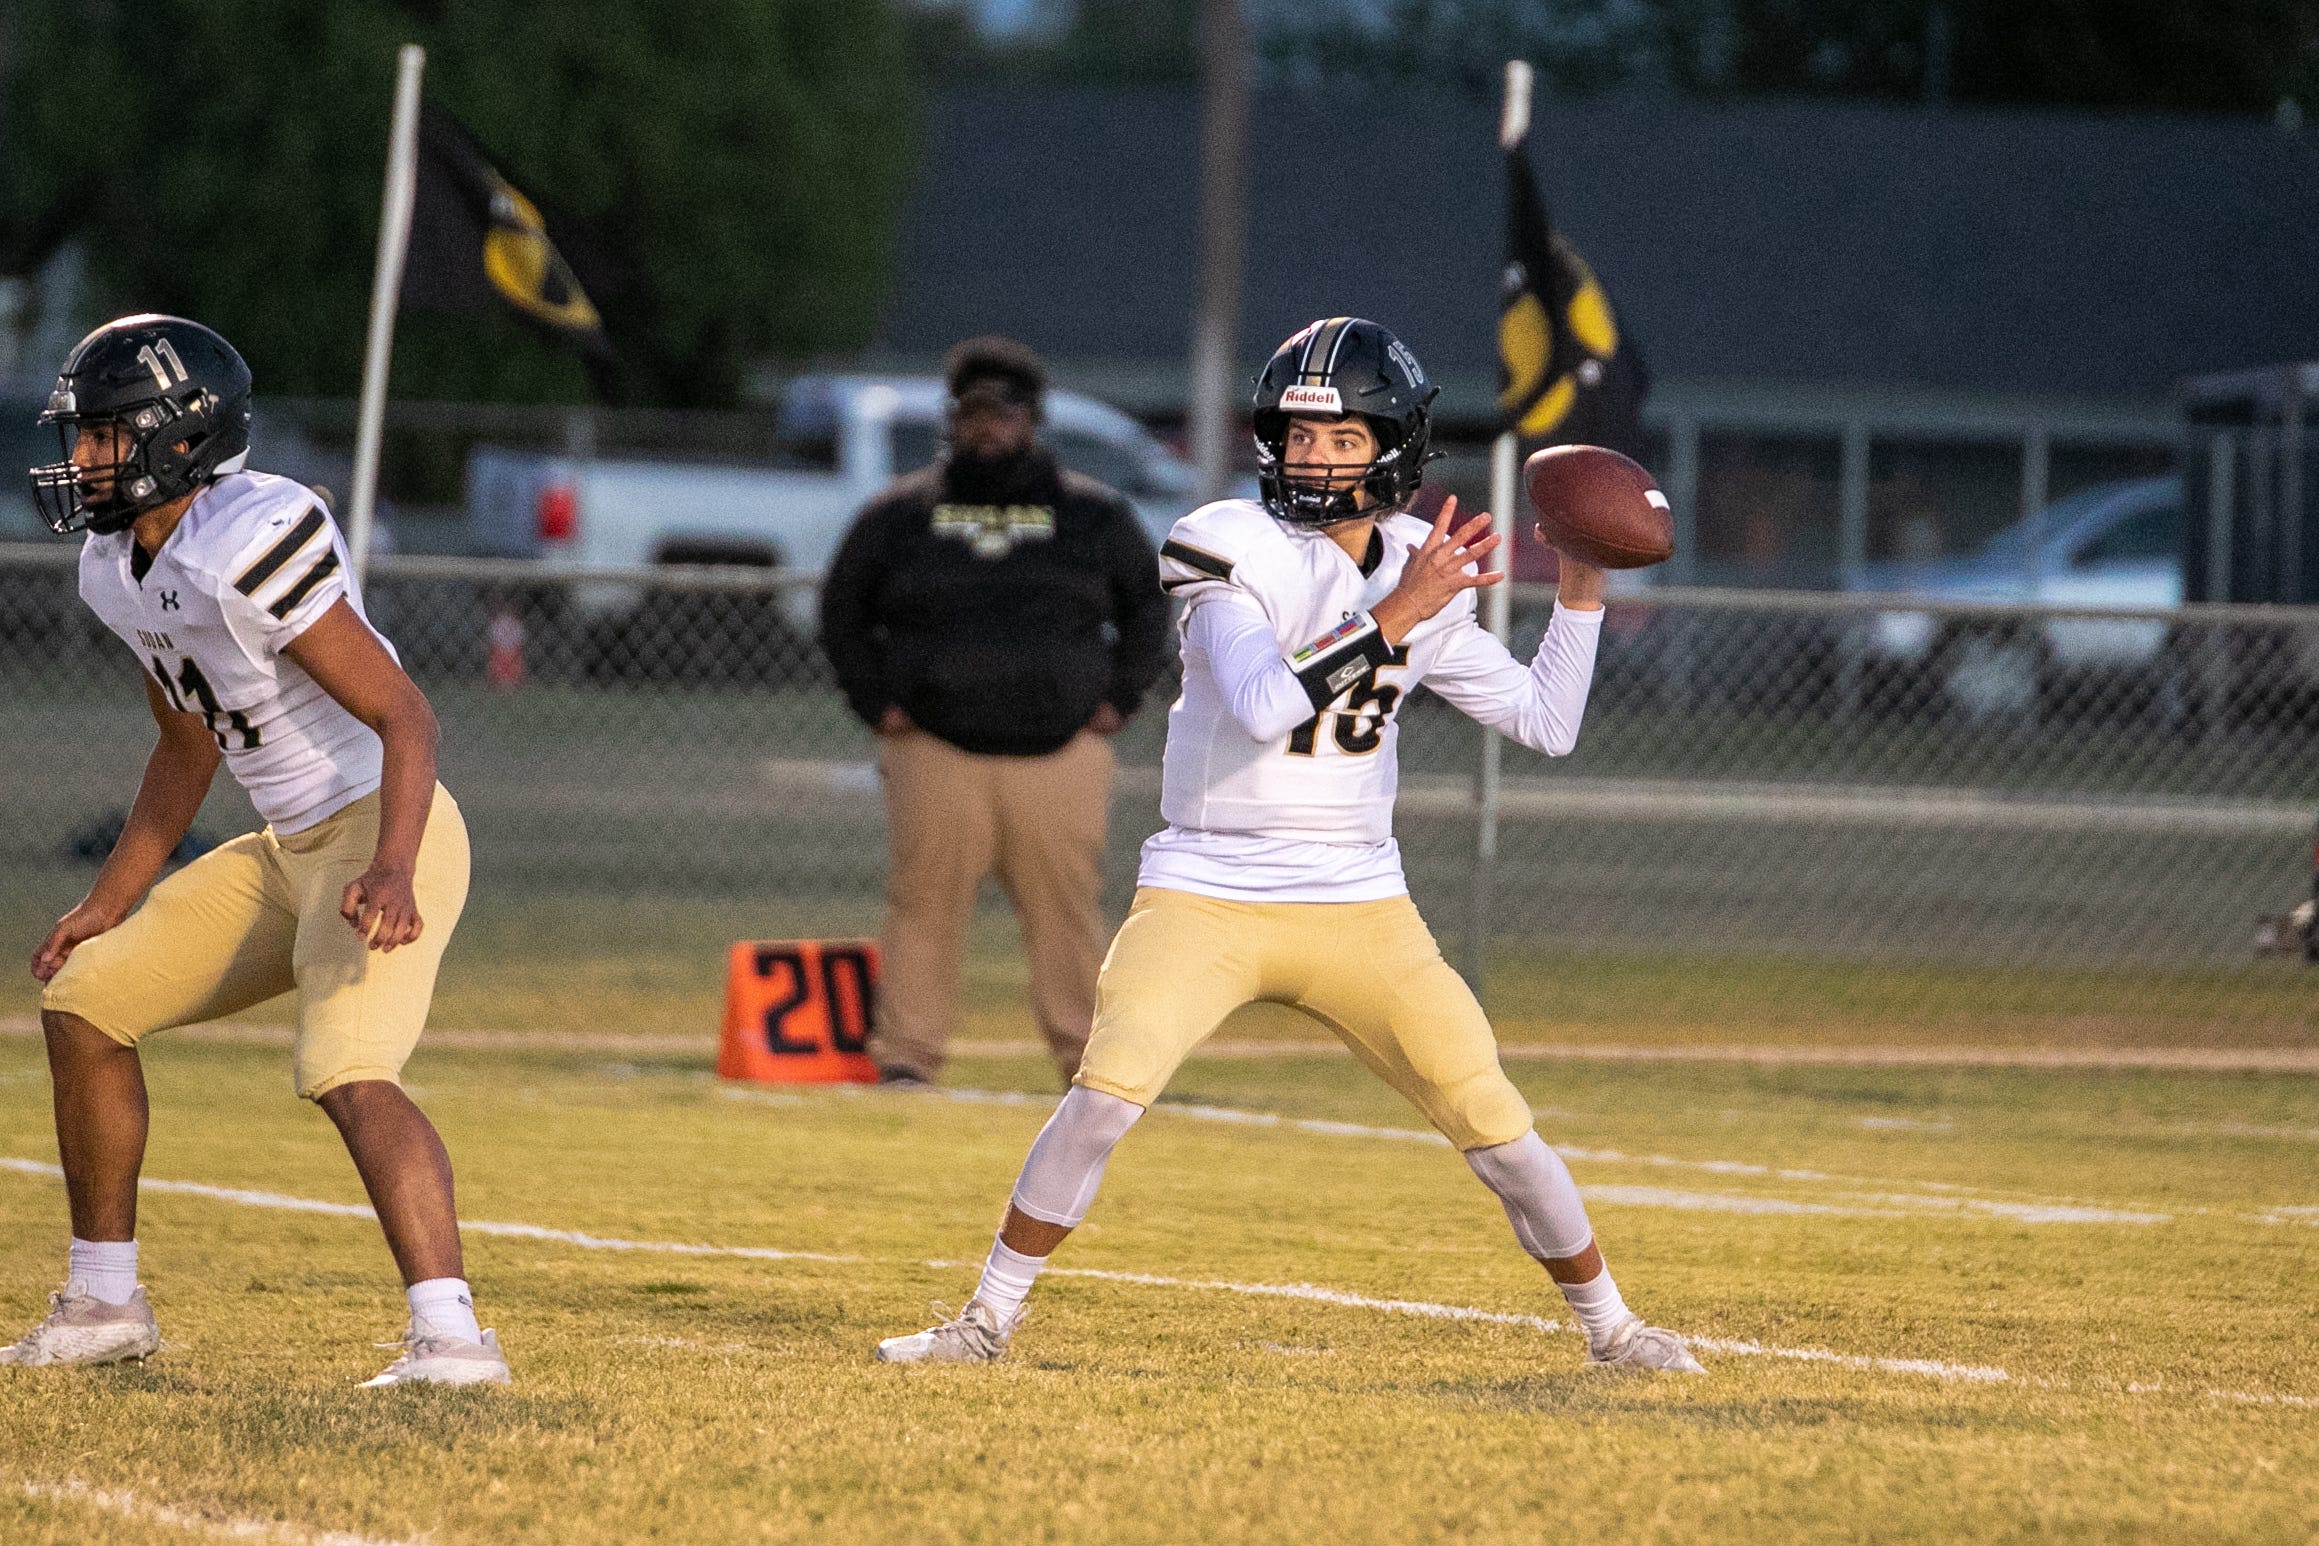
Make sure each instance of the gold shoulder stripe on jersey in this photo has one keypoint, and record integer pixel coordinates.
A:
(1192, 558)
(281, 552)
(306, 582)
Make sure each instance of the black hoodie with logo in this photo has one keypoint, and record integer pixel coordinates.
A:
(999, 605)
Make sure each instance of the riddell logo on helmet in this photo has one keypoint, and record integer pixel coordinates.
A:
(1312, 399)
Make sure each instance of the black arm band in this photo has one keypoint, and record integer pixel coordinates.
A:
(1339, 658)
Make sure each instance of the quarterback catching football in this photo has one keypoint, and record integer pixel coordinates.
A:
(1309, 616)
(232, 590)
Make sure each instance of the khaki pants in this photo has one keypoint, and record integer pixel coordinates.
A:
(259, 916)
(1369, 971)
(954, 817)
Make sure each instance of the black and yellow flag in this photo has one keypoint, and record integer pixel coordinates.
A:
(1565, 373)
(479, 243)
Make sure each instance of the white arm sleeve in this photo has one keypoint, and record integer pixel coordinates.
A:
(1540, 707)
(1231, 633)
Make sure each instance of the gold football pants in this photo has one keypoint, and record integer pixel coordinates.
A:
(1369, 971)
(257, 917)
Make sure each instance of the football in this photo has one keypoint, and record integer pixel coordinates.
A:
(1599, 507)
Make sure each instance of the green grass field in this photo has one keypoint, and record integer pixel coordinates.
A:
(652, 965)
(2069, 1305)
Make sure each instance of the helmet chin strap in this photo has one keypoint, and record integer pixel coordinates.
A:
(107, 516)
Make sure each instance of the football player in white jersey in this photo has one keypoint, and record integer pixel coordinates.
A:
(232, 589)
(1309, 616)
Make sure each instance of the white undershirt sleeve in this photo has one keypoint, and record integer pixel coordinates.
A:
(1539, 707)
(1236, 639)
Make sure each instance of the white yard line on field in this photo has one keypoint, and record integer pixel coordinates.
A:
(1313, 1293)
(288, 1204)
(2291, 1060)
(2252, 1398)
(1973, 1373)
(2252, 1130)
(202, 1521)
(1948, 1201)
(2288, 1060)
(239, 1033)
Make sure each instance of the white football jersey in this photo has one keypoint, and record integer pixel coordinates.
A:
(1281, 767)
(255, 560)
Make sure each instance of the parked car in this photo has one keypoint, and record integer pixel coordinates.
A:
(845, 438)
(2114, 545)
(842, 439)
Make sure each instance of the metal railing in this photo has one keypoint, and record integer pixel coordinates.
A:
(1826, 778)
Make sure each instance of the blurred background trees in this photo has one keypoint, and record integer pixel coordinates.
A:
(744, 158)
(747, 160)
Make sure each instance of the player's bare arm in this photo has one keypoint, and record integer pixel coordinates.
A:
(1582, 585)
(177, 779)
(346, 660)
(235, 594)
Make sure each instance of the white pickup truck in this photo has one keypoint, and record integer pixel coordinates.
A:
(622, 512)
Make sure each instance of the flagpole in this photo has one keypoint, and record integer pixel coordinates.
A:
(1498, 600)
(1506, 454)
(394, 240)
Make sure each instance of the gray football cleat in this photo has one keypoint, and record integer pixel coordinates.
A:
(431, 1358)
(1637, 1346)
(81, 1328)
(974, 1335)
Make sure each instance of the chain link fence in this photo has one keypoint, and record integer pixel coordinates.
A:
(1799, 776)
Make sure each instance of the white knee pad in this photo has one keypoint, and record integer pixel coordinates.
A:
(1540, 1197)
(1066, 1164)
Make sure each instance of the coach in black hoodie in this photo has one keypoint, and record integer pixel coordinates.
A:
(995, 619)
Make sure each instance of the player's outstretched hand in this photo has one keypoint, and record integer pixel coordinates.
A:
(1445, 563)
(380, 905)
(82, 923)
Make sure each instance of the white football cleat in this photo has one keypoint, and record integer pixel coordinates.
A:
(1637, 1346)
(81, 1328)
(431, 1357)
(974, 1335)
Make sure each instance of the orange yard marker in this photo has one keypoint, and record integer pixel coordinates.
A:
(797, 1011)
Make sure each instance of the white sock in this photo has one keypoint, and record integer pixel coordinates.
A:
(103, 1269)
(1007, 1278)
(1597, 1303)
(445, 1306)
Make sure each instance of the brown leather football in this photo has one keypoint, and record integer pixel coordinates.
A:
(1599, 507)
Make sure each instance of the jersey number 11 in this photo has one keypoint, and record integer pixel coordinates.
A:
(192, 684)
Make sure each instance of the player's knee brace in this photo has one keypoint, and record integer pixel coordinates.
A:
(1066, 1164)
(1541, 1199)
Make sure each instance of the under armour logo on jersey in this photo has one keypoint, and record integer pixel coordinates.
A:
(169, 601)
